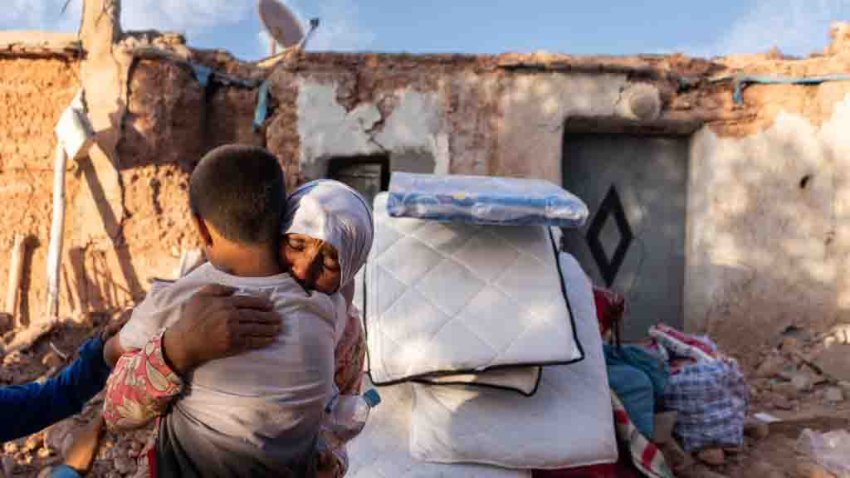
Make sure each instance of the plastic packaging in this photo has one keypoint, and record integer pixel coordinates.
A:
(831, 450)
(484, 200)
(346, 416)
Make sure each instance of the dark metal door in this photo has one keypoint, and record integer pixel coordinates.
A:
(634, 241)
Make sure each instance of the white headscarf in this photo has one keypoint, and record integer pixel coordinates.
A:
(333, 212)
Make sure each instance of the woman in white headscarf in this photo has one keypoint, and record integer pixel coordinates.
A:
(327, 238)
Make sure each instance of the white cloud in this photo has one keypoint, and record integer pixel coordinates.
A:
(796, 27)
(340, 27)
(40, 15)
(185, 16)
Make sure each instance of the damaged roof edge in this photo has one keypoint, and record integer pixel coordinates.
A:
(24, 43)
(636, 65)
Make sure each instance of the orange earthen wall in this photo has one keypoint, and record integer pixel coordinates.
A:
(33, 93)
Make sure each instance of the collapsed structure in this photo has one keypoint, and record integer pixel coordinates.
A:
(719, 190)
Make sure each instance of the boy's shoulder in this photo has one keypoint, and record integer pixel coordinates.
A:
(166, 293)
(160, 307)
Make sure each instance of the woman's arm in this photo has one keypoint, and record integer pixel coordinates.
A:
(140, 388)
(213, 324)
(26, 409)
(350, 355)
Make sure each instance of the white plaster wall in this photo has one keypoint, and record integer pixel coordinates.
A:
(326, 129)
(762, 251)
(534, 108)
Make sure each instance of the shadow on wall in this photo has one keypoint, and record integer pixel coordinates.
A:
(170, 122)
(769, 231)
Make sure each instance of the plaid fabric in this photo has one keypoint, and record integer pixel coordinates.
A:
(646, 457)
(711, 398)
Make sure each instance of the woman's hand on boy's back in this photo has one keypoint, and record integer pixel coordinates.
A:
(215, 324)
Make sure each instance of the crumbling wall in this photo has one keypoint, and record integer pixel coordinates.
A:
(767, 195)
(33, 93)
(769, 231)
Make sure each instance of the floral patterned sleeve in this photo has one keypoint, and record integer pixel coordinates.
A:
(140, 388)
(350, 355)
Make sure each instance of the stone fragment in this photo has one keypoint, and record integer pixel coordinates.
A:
(802, 382)
(782, 403)
(51, 360)
(33, 442)
(834, 395)
(712, 456)
(835, 362)
(786, 389)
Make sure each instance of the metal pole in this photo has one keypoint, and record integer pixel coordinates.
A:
(57, 226)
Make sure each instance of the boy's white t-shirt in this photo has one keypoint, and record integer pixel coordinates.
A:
(272, 398)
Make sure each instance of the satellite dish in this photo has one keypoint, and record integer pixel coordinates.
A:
(281, 24)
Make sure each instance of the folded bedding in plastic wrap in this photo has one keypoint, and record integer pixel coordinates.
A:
(484, 200)
(382, 450)
(567, 423)
(453, 298)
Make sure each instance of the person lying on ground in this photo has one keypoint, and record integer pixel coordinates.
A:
(209, 328)
(255, 414)
(326, 242)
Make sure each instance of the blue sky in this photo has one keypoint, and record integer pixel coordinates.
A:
(704, 28)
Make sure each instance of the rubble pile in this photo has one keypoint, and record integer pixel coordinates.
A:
(803, 368)
(30, 456)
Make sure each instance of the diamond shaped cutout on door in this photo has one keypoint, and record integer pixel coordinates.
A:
(611, 206)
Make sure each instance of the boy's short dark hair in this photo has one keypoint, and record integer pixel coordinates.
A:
(240, 191)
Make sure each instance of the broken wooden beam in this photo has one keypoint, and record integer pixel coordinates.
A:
(16, 271)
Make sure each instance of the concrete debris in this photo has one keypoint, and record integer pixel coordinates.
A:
(52, 360)
(834, 361)
(785, 389)
(802, 382)
(834, 395)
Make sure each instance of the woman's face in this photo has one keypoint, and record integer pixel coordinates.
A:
(313, 262)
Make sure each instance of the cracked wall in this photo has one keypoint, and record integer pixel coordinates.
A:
(412, 132)
(768, 188)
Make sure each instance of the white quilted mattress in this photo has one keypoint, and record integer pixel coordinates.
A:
(458, 298)
(382, 449)
(567, 423)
